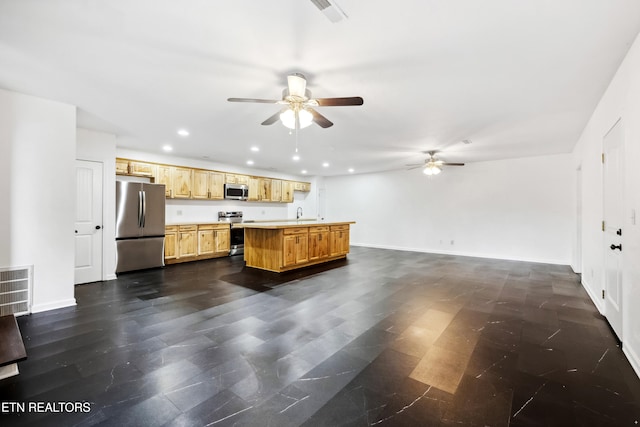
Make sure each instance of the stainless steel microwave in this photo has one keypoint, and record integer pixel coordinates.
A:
(236, 191)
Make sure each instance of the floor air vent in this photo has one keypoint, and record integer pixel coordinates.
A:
(15, 290)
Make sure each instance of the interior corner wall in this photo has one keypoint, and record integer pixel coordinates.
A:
(101, 147)
(621, 101)
(37, 175)
(518, 209)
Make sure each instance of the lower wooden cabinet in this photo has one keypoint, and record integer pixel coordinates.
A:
(286, 247)
(318, 243)
(295, 246)
(187, 236)
(338, 240)
(170, 242)
(193, 242)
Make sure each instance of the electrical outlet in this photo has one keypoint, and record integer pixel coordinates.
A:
(179, 212)
(452, 242)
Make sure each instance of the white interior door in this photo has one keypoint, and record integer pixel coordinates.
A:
(613, 220)
(88, 225)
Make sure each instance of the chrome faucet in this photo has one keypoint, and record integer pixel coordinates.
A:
(299, 212)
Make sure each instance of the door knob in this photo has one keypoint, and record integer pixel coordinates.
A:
(98, 227)
(614, 247)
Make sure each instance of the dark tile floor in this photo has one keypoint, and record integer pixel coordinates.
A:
(384, 338)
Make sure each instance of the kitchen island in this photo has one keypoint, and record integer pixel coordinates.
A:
(287, 245)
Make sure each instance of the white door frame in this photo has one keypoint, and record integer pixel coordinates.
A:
(613, 215)
(89, 230)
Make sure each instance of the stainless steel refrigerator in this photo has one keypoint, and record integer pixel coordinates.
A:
(139, 225)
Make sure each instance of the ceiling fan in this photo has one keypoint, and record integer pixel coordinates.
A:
(432, 165)
(298, 111)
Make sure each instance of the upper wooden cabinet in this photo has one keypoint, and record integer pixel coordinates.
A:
(142, 169)
(202, 184)
(165, 176)
(207, 185)
(287, 192)
(276, 190)
(302, 186)
(122, 167)
(234, 178)
(182, 183)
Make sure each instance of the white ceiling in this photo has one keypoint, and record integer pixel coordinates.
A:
(518, 78)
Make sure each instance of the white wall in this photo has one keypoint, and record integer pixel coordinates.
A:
(37, 182)
(620, 101)
(185, 211)
(101, 147)
(519, 209)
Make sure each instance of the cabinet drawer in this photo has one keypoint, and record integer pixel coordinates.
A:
(213, 227)
(171, 228)
(339, 227)
(296, 230)
(318, 229)
(188, 227)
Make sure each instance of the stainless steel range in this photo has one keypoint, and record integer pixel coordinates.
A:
(237, 233)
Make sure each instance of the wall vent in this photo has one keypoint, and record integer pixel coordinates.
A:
(15, 290)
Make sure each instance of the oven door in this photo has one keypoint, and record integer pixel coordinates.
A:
(237, 241)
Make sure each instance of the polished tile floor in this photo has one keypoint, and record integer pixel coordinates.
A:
(385, 338)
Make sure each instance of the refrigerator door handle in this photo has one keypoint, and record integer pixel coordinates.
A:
(140, 212)
(144, 207)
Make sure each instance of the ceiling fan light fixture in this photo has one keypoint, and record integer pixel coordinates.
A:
(431, 170)
(288, 118)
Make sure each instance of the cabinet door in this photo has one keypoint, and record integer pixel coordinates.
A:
(289, 249)
(223, 240)
(206, 242)
(187, 242)
(182, 183)
(142, 169)
(164, 176)
(318, 245)
(276, 190)
(287, 192)
(265, 190)
(216, 185)
(122, 167)
(339, 241)
(200, 189)
(254, 190)
(171, 244)
(302, 249)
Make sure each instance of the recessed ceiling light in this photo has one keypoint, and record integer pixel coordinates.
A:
(255, 149)
(303, 171)
(183, 132)
(250, 162)
(351, 170)
(296, 157)
(167, 148)
(325, 165)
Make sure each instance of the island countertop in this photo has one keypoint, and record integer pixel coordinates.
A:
(274, 225)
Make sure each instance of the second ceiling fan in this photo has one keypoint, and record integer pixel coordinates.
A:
(299, 109)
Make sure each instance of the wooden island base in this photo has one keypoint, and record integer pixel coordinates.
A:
(285, 246)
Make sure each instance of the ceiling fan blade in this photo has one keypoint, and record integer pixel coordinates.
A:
(261, 101)
(452, 164)
(338, 102)
(321, 120)
(297, 84)
(414, 166)
(272, 119)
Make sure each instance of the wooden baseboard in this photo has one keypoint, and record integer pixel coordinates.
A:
(195, 258)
